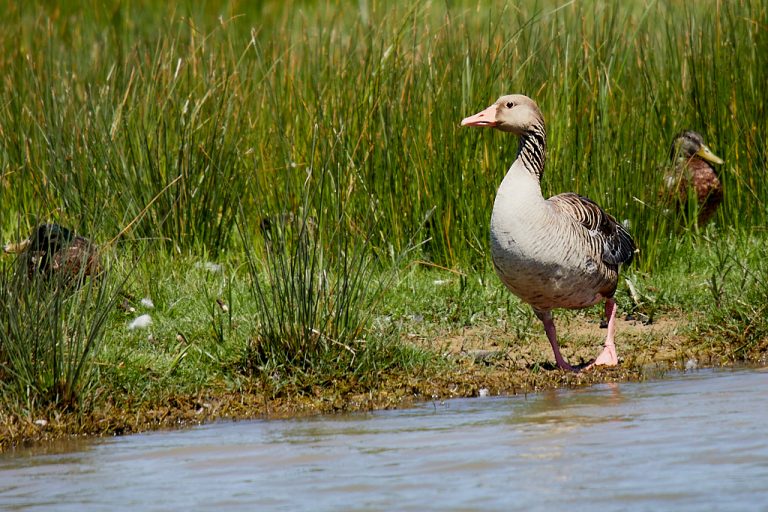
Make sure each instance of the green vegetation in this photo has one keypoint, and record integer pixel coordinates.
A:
(48, 335)
(288, 184)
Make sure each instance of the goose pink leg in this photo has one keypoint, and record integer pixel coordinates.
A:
(608, 356)
(549, 328)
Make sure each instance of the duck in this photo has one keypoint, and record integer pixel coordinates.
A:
(53, 249)
(692, 171)
(561, 252)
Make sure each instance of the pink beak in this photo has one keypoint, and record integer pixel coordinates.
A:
(485, 118)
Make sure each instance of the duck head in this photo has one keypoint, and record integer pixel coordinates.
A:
(689, 144)
(46, 238)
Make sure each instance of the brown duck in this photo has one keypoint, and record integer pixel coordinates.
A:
(53, 249)
(692, 173)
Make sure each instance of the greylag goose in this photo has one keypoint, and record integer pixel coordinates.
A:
(561, 252)
(691, 169)
(55, 250)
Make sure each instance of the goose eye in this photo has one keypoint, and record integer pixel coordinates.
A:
(510, 104)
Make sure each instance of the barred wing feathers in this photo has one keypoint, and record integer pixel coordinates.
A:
(600, 230)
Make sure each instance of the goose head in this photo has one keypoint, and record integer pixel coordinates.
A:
(689, 144)
(514, 113)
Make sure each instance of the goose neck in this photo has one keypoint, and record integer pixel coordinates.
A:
(532, 152)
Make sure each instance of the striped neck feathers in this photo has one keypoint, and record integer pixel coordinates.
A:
(532, 151)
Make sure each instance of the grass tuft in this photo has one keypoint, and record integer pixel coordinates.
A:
(50, 331)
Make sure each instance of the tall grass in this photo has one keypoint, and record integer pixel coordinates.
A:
(50, 330)
(197, 106)
(315, 286)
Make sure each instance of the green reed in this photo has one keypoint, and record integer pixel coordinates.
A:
(51, 327)
(166, 115)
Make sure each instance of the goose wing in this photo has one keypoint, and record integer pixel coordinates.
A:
(600, 229)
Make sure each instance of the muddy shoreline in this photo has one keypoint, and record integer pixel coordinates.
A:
(479, 362)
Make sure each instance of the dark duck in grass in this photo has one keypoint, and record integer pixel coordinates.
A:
(53, 250)
(561, 252)
(692, 172)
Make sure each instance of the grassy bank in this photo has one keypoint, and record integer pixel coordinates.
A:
(287, 188)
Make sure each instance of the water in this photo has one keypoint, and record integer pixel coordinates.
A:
(695, 441)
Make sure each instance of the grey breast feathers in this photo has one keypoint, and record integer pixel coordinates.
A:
(601, 231)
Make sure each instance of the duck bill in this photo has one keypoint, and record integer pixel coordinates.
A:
(17, 248)
(707, 154)
(486, 118)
